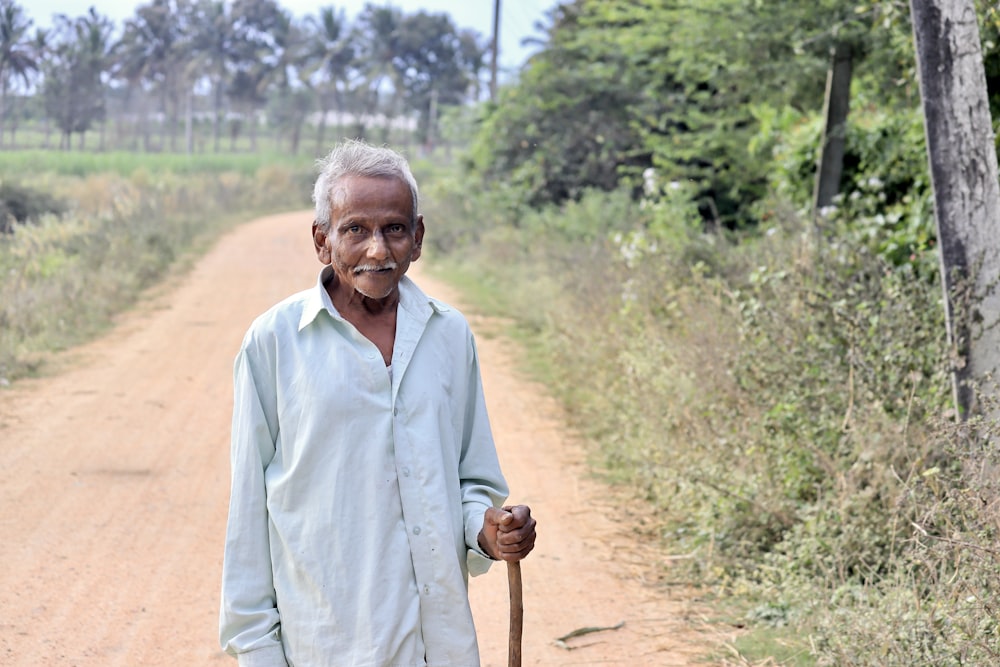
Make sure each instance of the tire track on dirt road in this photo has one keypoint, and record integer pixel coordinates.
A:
(116, 486)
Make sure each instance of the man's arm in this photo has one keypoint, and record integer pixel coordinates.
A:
(249, 627)
(483, 485)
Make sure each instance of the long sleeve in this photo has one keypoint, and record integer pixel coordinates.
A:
(482, 483)
(249, 626)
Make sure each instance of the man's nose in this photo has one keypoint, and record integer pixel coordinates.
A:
(377, 247)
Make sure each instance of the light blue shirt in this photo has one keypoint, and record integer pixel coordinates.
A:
(357, 495)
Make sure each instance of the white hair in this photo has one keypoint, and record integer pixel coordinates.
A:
(357, 158)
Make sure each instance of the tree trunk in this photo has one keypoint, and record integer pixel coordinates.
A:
(166, 126)
(431, 122)
(963, 166)
(253, 129)
(831, 155)
(147, 131)
(217, 115)
(296, 138)
(321, 128)
(189, 122)
(3, 104)
(14, 107)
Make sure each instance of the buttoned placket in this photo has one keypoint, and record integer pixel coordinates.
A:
(409, 328)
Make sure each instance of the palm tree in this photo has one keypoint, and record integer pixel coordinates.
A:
(326, 62)
(213, 45)
(151, 52)
(263, 32)
(40, 45)
(291, 97)
(74, 77)
(17, 57)
(379, 35)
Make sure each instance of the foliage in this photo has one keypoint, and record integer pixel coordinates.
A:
(886, 197)
(436, 64)
(666, 91)
(571, 121)
(623, 85)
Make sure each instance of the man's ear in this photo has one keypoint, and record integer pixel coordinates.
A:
(418, 238)
(320, 244)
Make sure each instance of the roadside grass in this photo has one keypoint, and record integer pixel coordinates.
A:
(778, 647)
(780, 407)
(66, 277)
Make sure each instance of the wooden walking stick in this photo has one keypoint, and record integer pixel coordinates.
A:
(516, 614)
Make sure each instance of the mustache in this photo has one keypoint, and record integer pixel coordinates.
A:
(388, 266)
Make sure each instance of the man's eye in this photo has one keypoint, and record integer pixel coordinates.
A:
(396, 229)
(354, 229)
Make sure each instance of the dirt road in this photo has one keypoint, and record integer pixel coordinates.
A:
(116, 476)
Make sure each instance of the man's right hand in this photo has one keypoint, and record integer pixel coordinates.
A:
(509, 533)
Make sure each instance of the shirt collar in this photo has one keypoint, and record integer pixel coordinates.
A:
(411, 298)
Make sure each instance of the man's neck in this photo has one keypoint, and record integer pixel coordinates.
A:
(352, 304)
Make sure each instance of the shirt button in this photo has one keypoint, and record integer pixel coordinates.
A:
(406, 472)
(395, 411)
(416, 531)
(427, 590)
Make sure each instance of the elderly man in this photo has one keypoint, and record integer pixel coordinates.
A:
(365, 482)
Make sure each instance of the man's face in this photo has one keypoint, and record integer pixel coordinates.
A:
(371, 241)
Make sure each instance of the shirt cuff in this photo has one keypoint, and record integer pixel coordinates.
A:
(268, 656)
(477, 562)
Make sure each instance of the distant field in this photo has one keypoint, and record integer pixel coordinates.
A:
(24, 163)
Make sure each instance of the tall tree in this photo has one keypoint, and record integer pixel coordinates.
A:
(289, 97)
(214, 46)
(74, 87)
(17, 57)
(151, 53)
(261, 30)
(327, 61)
(963, 165)
(436, 64)
(377, 30)
(573, 120)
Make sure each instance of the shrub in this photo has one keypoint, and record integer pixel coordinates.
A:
(19, 203)
(886, 202)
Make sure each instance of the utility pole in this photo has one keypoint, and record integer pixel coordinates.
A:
(495, 50)
(831, 160)
(432, 121)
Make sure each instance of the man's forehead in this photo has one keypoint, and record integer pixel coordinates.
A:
(368, 190)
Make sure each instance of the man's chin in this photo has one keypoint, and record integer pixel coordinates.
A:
(376, 292)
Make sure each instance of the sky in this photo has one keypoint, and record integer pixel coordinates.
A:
(517, 17)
